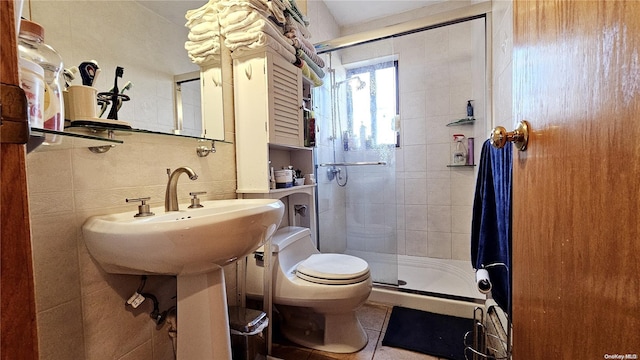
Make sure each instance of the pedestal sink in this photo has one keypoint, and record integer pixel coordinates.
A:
(192, 244)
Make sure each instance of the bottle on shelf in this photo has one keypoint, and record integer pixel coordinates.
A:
(459, 154)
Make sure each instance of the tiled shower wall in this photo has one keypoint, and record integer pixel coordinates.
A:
(439, 70)
(502, 29)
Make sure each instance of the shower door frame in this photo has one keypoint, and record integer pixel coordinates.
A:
(473, 12)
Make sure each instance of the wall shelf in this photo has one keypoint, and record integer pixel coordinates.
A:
(461, 166)
(51, 139)
(94, 129)
(462, 122)
(291, 190)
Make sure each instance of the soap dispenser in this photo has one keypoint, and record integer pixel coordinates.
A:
(469, 110)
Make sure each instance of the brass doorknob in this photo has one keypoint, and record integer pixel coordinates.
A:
(499, 136)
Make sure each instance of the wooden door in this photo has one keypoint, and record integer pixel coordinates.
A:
(17, 312)
(576, 195)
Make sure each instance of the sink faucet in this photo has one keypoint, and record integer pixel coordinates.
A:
(171, 196)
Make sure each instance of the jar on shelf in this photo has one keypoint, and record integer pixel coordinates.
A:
(31, 46)
(32, 82)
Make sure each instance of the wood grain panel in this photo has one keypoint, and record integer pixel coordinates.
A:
(17, 312)
(577, 188)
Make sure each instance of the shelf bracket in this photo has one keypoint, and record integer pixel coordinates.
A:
(203, 151)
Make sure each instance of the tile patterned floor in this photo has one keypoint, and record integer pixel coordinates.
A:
(374, 318)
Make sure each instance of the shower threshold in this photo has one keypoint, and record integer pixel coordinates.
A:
(397, 288)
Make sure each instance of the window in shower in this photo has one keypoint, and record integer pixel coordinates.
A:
(372, 105)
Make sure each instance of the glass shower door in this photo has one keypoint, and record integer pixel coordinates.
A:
(356, 113)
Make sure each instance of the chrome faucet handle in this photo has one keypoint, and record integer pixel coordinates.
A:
(143, 208)
(195, 202)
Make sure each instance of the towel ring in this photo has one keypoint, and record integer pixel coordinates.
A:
(499, 136)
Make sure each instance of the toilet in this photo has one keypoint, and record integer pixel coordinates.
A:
(316, 294)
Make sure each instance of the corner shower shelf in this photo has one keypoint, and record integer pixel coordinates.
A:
(462, 122)
(461, 166)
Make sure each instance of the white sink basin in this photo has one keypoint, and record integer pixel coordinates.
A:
(185, 242)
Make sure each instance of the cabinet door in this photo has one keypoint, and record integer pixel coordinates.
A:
(212, 102)
(285, 102)
(251, 120)
(268, 98)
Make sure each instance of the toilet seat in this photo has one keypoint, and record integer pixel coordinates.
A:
(333, 269)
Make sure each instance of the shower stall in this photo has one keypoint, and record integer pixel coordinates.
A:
(387, 189)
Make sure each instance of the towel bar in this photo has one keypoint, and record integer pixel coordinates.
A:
(499, 136)
(358, 163)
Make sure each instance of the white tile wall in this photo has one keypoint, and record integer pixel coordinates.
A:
(502, 65)
(79, 307)
(436, 78)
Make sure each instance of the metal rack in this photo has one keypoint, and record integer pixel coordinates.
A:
(487, 340)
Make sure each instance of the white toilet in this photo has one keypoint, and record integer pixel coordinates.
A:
(317, 294)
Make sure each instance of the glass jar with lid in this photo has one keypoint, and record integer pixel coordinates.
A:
(31, 46)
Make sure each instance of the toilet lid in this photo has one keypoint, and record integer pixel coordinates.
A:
(333, 269)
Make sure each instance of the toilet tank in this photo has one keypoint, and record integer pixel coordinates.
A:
(290, 244)
(288, 235)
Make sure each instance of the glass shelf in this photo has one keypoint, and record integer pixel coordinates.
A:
(102, 140)
(124, 131)
(292, 189)
(462, 122)
(461, 166)
(99, 139)
(279, 193)
(58, 139)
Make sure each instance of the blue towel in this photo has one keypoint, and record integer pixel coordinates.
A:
(491, 222)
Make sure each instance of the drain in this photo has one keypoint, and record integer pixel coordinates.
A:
(401, 282)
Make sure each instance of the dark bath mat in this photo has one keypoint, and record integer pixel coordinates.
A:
(428, 333)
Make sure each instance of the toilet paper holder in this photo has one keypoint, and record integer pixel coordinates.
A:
(499, 136)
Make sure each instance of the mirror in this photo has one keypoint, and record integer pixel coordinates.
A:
(145, 38)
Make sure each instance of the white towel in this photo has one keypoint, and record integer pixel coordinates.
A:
(246, 39)
(196, 15)
(240, 18)
(199, 47)
(204, 36)
(225, 7)
(199, 50)
(250, 24)
(277, 11)
(265, 41)
(204, 27)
